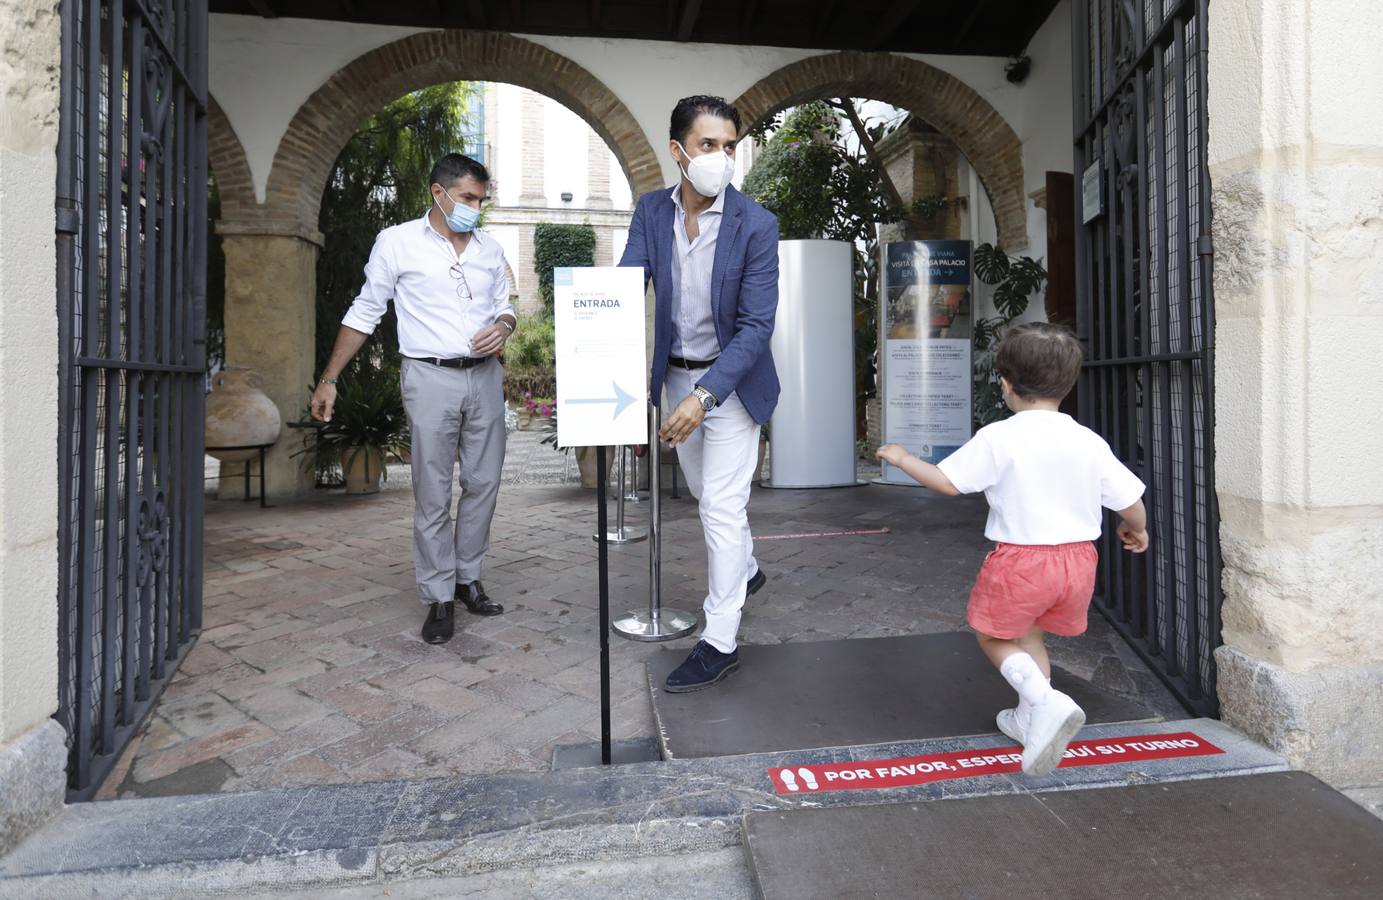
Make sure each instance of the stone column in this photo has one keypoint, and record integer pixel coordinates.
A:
(532, 135)
(604, 245)
(597, 175)
(32, 750)
(271, 287)
(529, 301)
(1297, 172)
(491, 125)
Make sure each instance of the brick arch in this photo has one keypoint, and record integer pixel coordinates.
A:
(943, 101)
(332, 114)
(226, 156)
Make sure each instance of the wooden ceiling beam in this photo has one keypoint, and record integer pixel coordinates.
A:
(969, 24)
(691, 11)
(751, 9)
(823, 21)
(892, 20)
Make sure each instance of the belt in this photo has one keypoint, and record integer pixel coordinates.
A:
(689, 364)
(459, 362)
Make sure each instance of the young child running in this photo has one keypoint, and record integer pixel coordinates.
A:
(1046, 478)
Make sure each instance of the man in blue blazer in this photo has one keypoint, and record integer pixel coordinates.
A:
(712, 254)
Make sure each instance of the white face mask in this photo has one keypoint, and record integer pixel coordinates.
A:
(709, 173)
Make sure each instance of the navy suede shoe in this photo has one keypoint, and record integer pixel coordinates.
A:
(755, 582)
(703, 667)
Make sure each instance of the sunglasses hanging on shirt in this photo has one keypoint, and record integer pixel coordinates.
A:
(463, 288)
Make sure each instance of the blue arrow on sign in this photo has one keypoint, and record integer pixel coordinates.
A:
(622, 399)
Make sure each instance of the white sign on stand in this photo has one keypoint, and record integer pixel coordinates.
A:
(602, 365)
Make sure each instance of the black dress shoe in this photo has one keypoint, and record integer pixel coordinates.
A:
(473, 595)
(440, 624)
(755, 582)
(704, 667)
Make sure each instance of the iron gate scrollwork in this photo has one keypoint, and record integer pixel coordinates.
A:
(1146, 317)
(131, 227)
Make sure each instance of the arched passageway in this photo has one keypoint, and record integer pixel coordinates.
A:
(942, 100)
(271, 247)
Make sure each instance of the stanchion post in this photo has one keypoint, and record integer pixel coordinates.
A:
(619, 501)
(622, 534)
(657, 624)
(632, 495)
(604, 577)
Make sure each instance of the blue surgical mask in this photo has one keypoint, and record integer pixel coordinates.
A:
(462, 218)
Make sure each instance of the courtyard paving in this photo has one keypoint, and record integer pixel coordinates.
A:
(310, 669)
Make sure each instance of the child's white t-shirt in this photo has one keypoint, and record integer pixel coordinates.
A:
(1045, 477)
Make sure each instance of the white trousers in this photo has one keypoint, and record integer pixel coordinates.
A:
(718, 461)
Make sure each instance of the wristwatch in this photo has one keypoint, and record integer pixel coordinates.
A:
(706, 398)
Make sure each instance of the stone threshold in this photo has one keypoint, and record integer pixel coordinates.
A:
(340, 835)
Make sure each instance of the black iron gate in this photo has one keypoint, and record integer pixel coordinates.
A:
(1147, 320)
(131, 227)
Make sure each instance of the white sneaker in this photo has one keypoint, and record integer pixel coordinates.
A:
(1054, 722)
(1012, 724)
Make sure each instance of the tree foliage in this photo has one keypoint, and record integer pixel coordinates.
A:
(381, 179)
(556, 246)
(815, 184)
(819, 186)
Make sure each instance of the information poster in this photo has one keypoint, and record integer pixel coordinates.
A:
(602, 366)
(925, 335)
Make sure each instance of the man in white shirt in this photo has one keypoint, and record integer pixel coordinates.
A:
(451, 294)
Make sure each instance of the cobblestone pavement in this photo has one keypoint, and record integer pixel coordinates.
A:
(310, 668)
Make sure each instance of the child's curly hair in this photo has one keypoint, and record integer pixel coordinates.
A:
(1040, 360)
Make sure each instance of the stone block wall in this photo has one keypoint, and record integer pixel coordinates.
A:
(1297, 176)
(32, 751)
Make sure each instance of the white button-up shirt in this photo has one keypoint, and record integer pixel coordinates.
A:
(411, 264)
(693, 321)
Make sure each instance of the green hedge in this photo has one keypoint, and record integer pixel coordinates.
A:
(534, 343)
(555, 246)
(529, 359)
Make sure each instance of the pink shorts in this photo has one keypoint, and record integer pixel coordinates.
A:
(1020, 586)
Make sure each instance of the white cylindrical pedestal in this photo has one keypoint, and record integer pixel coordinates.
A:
(812, 432)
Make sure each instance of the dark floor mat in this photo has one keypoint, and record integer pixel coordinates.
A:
(802, 696)
(1284, 834)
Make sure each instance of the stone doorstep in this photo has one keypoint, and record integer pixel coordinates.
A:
(338, 835)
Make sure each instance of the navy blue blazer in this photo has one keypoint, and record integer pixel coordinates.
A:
(744, 295)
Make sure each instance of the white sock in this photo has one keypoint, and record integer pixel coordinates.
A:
(1021, 671)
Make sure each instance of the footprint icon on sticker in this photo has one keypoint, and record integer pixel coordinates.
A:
(789, 780)
(807, 778)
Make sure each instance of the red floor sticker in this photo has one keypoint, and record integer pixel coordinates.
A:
(910, 770)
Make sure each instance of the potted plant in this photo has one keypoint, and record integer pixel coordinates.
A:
(367, 423)
(536, 408)
(585, 456)
(1014, 279)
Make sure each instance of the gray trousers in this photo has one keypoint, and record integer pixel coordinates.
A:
(455, 414)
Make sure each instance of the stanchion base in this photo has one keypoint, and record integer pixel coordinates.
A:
(639, 626)
(628, 536)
